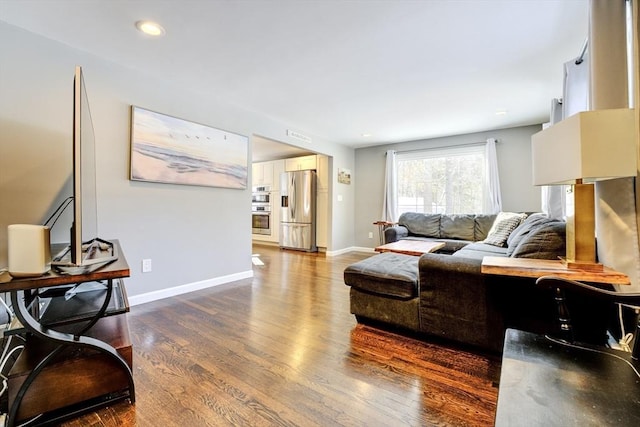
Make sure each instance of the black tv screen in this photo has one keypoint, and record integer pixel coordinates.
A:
(85, 216)
(85, 251)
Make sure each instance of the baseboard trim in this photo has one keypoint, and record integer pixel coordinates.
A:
(350, 249)
(189, 287)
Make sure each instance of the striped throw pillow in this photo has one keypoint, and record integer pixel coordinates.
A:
(502, 227)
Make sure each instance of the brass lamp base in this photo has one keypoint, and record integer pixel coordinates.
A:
(581, 225)
(582, 265)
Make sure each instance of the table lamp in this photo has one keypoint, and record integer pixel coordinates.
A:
(581, 149)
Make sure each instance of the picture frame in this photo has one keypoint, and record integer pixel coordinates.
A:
(170, 150)
(344, 176)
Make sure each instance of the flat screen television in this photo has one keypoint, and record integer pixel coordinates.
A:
(85, 252)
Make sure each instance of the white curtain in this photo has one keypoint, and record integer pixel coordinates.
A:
(554, 197)
(390, 202)
(575, 99)
(493, 195)
(576, 86)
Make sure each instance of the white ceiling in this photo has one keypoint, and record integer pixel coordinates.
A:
(336, 69)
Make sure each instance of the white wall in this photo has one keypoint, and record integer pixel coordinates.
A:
(514, 162)
(192, 234)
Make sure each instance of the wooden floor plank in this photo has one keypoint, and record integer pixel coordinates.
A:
(282, 349)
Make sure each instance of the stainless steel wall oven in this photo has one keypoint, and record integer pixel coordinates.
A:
(261, 210)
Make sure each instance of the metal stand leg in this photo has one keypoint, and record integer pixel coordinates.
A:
(63, 340)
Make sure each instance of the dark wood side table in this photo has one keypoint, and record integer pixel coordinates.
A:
(545, 382)
(383, 225)
(77, 353)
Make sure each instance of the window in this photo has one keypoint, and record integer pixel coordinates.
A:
(443, 180)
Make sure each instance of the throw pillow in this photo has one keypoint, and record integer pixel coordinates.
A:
(547, 241)
(527, 226)
(502, 227)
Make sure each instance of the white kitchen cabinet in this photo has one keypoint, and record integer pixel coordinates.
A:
(278, 168)
(301, 163)
(322, 214)
(262, 173)
(322, 200)
(323, 172)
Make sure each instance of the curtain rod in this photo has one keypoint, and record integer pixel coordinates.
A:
(470, 144)
(582, 53)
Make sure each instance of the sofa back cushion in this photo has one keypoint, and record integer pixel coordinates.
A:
(427, 225)
(458, 226)
(547, 241)
(481, 226)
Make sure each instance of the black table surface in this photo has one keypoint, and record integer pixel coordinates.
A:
(545, 382)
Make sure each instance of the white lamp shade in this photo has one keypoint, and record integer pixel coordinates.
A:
(591, 145)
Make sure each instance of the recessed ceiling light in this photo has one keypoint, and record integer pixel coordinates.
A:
(151, 28)
(501, 112)
(366, 135)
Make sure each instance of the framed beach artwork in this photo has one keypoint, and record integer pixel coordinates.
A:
(176, 151)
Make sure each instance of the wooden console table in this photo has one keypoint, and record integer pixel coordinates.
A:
(546, 382)
(553, 382)
(78, 354)
(535, 268)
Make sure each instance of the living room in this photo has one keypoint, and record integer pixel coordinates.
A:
(197, 237)
(169, 219)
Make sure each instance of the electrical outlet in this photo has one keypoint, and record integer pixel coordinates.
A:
(146, 265)
(371, 235)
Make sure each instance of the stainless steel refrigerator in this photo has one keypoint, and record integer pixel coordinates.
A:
(298, 210)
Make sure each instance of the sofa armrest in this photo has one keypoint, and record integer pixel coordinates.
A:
(456, 302)
(395, 233)
(460, 303)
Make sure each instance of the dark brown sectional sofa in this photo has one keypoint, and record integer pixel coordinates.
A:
(445, 294)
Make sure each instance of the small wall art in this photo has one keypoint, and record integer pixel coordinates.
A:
(175, 151)
(344, 176)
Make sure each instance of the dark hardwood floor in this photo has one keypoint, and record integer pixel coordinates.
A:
(282, 349)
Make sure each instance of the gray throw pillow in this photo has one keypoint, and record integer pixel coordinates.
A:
(547, 241)
(502, 227)
(427, 225)
(526, 227)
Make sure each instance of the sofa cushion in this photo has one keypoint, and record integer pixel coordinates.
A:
(427, 225)
(547, 241)
(525, 227)
(452, 245)
(479, 250)
(389, 274)
(528, 226)
(481, 226)
(458, 226)
(502, 227)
